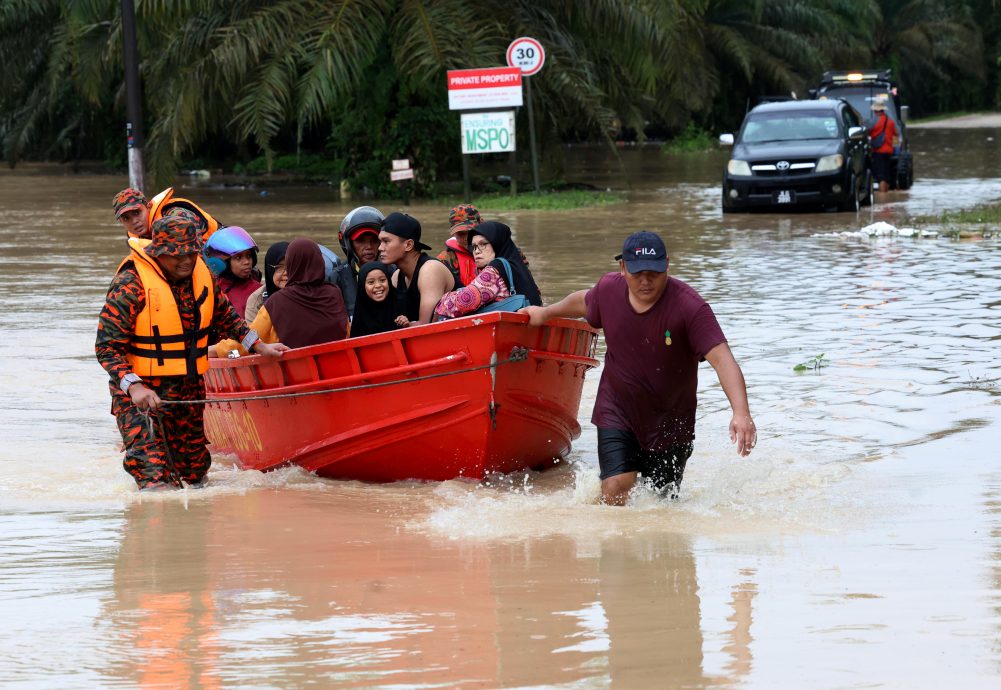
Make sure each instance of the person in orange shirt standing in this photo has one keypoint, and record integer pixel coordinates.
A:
(882, 133)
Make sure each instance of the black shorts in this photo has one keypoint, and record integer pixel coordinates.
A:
(882, 164)
(620, 452)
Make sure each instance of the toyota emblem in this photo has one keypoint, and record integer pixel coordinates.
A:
(782, 165)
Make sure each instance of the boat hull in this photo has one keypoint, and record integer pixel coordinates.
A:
(432, 402)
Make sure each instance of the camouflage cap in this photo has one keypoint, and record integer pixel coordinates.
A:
(128, 199)
(174, 235)
(463, 218)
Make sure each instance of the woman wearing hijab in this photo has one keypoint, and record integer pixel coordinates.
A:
(307, 311)
(275, 278)
(375, 306)
(495, 253)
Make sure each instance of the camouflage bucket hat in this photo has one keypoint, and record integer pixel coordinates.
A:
(128, 199)
(175, 235)
(463, 218)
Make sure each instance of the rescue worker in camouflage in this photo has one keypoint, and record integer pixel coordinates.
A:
(132, 211)
(152, 339)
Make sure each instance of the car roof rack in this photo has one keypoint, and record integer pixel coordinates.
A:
(847, 77)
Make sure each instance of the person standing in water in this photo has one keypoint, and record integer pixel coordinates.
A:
(657, 330)
(152, 339)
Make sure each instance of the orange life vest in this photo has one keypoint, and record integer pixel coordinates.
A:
(160, 345)
(166, 200)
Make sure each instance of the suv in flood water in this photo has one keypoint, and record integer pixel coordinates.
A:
(861, 88)
(799, 153)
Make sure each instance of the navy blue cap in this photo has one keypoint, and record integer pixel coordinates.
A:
(644, 251)
(405, 226)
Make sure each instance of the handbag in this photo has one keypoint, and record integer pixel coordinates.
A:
(512, 303)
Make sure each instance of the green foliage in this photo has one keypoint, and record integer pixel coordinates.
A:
(309, 166)
(815, 363)
(693, 139)
(547, 201)
(360, 82)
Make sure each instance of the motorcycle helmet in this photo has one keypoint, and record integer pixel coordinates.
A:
(358, 219)
(228, 241)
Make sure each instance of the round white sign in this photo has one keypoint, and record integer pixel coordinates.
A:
(526, 54)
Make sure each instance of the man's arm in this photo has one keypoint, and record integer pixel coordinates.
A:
(573, 306)
(432, 285)
(731, 378)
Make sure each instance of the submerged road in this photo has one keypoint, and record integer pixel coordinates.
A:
(858, 547)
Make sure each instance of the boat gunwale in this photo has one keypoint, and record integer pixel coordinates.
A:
(405, 334)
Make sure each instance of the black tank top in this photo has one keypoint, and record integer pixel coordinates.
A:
(408, 297)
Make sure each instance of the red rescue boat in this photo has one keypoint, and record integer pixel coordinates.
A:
(461, 398)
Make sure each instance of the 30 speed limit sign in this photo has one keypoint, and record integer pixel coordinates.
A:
(526, 54)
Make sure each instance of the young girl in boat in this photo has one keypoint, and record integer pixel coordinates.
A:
(376, 310)
(238, 252)
(498, 262)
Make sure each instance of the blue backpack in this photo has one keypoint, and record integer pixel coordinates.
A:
(512, 303)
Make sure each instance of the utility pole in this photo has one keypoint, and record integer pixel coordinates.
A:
(133, 97)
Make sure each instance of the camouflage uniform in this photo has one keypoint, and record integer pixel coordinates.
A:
(146, 456)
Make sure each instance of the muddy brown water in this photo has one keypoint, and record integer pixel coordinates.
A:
(857, 547)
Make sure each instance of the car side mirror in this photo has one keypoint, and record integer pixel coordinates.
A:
(856, 132)
(726, 139)
(905, 112)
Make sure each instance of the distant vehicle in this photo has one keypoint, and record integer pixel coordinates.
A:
(861, 88)
(799, 153)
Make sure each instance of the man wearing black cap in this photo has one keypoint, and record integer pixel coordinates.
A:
(657, 330)
(420, 281)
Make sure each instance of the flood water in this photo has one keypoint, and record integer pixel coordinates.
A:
(859, 546)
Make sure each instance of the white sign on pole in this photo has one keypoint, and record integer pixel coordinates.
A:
(397, 175)
(527, 55)
(488, 132)
(473, 89)
(401, 163)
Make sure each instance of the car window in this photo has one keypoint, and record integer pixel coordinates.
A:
(790, 126)
(861, 99)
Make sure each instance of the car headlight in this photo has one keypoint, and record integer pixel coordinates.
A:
(830, 163)
(736, 167)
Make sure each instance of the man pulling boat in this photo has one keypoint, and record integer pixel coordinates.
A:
(152, 339)
(657, 330)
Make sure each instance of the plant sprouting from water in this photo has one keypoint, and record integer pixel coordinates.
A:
(815, 363)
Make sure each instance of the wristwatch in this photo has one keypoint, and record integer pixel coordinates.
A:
(249, 341)
(128, 380)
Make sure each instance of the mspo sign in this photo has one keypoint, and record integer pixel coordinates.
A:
(474, 89)
(488, 132)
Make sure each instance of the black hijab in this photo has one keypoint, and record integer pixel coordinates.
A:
(276, 253)
(499, 237)
(307, 311)
(371, 316)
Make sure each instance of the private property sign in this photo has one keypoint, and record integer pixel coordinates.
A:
(488, 132)
(474, 89)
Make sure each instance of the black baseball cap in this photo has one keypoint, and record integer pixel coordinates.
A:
(407, 227)
(644, 251)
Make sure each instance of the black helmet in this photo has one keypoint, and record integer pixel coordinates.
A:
(358, 218)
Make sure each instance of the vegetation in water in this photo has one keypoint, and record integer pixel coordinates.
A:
(693, 139)
(981, 221)
(547, 201)
(813, 364)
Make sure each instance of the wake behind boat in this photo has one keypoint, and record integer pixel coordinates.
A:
(461, 398)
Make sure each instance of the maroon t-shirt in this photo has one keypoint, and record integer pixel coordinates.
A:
(647, 386)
